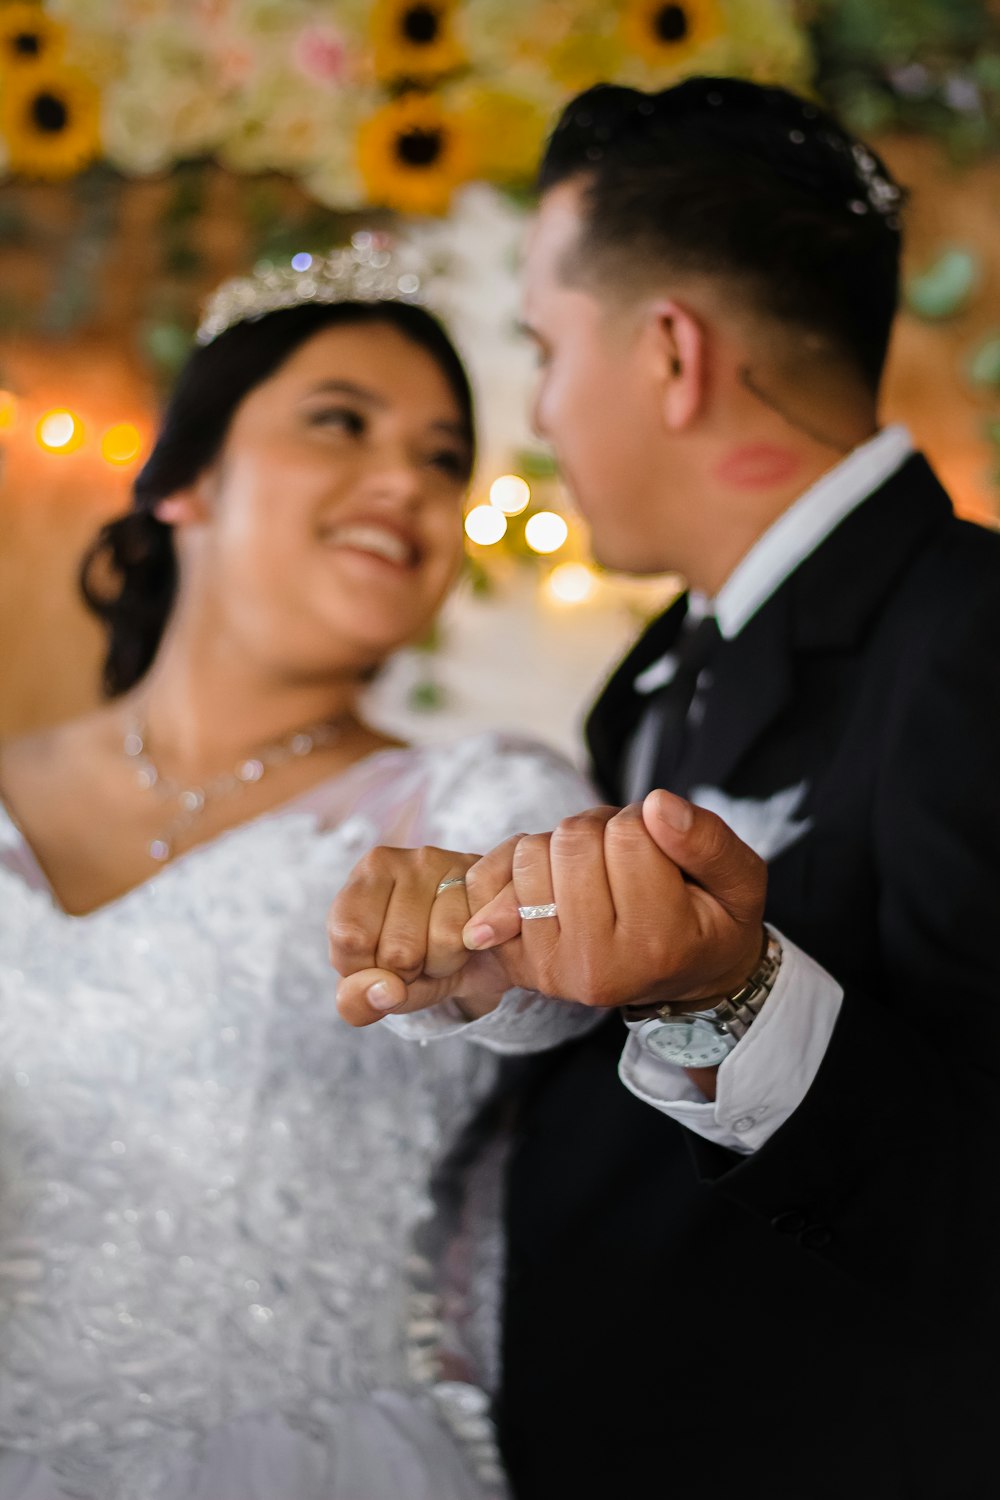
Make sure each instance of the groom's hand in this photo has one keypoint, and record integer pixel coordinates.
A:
(396, 938)
(654, 903)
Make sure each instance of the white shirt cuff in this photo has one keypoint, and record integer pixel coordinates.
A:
(766, 1076)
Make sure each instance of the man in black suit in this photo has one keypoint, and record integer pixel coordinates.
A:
(764, 1266)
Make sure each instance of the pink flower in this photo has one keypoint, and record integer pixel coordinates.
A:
(236, 63)
(320, 53)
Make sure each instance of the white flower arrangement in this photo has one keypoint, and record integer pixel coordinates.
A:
(289, 86)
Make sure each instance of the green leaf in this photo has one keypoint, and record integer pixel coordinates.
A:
(166, 344)
(427, 697)
(535, 463)
(946, 287)
(983, 368)
(479, 581)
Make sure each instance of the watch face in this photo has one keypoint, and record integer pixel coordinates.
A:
(688, 1043)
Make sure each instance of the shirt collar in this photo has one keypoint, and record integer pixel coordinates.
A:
(800, 529)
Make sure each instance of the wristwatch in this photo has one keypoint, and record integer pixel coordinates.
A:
(703, 1038)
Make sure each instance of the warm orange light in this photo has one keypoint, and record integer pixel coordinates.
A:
(121, 444)
(571, 583)
(484, 525)
(546, 531)
(60, 431)
(510, 493)
(8, 410)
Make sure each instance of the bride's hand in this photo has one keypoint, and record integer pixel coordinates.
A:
(396, 937)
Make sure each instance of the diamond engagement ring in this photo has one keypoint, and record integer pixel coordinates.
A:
(534, 913)
(447, 884)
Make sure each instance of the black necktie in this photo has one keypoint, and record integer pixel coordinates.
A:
(671, 705)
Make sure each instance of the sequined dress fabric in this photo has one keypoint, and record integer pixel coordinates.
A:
(216, 1280)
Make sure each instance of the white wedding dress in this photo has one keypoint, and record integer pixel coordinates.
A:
(222, 1276)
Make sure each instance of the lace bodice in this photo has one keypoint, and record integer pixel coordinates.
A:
(210, 1186)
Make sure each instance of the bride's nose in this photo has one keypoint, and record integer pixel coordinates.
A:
(395, 478)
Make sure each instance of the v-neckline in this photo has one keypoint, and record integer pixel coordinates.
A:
(288, 808)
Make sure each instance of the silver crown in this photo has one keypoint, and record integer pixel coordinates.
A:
(366, 270)
(881, 194)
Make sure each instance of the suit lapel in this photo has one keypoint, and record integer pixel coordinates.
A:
(828, 604)
(614, 717)
(751, 684)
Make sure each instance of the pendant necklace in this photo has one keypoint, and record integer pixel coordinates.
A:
(192, 800)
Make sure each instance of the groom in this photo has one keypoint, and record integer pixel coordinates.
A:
(759, 1262)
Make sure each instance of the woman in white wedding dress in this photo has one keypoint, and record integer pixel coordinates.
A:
(220, 1267)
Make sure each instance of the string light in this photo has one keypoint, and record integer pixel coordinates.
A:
(545, 531)
(121, 444)
(8, 410)
(571, 583)
(510, 493)
(485, 525)
(60, 431)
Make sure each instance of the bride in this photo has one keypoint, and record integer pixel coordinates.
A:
(218, 1268)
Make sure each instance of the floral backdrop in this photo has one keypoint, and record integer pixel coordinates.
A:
(149, 148)
(393, 104)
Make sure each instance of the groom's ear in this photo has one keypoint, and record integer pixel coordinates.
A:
(679, 352)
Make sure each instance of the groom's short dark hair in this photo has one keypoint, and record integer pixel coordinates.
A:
(753, 184)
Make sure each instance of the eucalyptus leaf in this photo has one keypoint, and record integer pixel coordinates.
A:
(983, 368)
(166, 343)
(535, 463)
(427, 697)
(947, 286)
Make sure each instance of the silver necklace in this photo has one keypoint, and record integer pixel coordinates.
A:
(192, 800)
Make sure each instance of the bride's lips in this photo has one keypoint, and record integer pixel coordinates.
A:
(382, 541)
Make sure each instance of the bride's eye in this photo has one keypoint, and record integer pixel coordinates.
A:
(342, 418)
(450, 461)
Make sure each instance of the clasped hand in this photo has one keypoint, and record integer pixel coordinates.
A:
(658, 902)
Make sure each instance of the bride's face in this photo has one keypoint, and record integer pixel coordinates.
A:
(329, 529)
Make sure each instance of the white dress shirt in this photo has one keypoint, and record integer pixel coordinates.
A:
(767, 1074)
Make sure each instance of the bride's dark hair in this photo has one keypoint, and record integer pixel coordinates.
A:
(128, 576)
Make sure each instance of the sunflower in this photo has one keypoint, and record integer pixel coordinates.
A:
(414, 39)
(507, 130)
(670, 33)
(28, 35)
(413, 153)
(49, 118)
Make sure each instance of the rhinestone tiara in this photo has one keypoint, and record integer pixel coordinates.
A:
(369, 269)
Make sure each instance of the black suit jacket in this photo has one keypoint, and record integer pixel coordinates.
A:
(818, 1319)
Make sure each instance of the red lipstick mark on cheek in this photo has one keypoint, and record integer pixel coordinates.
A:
(757, 466)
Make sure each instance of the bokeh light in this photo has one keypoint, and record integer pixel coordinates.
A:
(571, 583)
(121, 444)
(8, 410)
(485, 525)
(510, 493)
(60, 431)
(545, 531)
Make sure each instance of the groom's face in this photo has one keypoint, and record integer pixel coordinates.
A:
(597, 401)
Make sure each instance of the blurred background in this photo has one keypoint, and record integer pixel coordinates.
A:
(150, 148)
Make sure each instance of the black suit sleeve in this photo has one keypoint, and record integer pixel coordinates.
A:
(887, 1168)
